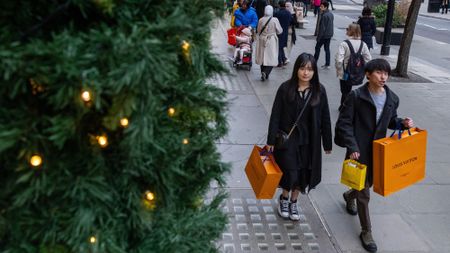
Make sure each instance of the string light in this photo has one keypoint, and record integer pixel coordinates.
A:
(185, 45)
(36, 160)
(149, 200)
(124, 122)
(149, 196)
(86, 96)
(102, 140)
(185, 141)
(92, 239)
(35, 86)
(171, 111)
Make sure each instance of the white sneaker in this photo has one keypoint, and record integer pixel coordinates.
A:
(283, 208)
(293, 212)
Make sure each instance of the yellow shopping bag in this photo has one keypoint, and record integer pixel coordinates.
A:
(353, 174)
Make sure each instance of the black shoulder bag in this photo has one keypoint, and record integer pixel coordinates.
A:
(282, 138)
(264, 27)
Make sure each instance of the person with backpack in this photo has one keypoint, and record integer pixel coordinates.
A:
(365, 116)
(350, 58)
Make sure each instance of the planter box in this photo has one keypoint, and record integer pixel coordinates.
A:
(396, 35)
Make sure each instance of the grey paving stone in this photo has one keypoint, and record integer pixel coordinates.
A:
(261, 231)
(434, 229)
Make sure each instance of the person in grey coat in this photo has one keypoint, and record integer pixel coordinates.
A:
(366, 115)
(325, 33)
(301, 159)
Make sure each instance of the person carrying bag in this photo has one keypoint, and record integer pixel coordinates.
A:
(299, 122)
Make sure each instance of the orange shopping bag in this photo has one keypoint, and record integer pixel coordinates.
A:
(399, 161)
(263, 172)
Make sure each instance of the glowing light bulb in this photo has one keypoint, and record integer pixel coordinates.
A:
(124, 122)
(86, 96)
(185, 45)
(102, 141)
(36, 160)
(149, 196)
(92, 239)
(185, 141)
(171, 111)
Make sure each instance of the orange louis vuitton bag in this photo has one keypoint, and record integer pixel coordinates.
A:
(263, 172)
(399, 161)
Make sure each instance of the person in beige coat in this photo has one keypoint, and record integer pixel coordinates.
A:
(343, 55)
(267, 42)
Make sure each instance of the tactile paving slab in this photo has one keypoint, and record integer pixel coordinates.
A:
(255, 226)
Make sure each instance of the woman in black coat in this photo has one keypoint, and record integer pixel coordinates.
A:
(366, 115)
(301, 160)
(368, 27)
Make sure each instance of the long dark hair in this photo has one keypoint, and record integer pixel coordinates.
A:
(303, 60)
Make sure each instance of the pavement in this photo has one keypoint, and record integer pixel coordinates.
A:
(415, 219)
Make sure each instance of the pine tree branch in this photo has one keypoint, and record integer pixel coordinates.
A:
(37, 27)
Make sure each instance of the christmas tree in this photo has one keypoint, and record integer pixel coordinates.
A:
(108, 126)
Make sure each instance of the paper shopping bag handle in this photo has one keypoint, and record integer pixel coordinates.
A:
(400, 131)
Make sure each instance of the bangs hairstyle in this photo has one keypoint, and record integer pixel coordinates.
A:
(377, 65)
(354, 31)
(302, 61)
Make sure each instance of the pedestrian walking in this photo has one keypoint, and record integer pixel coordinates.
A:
(324, 34)
(444, 6)
(236, 5)
(343, 55)
(267, 43)
(292, 37)
(285, 19)
(316, 7)
(368, 27)
(246, 16)
(366, 115)
(305, 7)
(300, 160)
(331, 4)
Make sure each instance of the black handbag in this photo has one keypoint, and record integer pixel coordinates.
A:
(282, 138)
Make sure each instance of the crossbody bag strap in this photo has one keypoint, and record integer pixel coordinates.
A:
(264, 27)
(300, 114)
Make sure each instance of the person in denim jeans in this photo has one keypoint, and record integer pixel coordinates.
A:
(325, 33)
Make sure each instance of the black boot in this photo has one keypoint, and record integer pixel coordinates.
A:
(367, 241)
(350, 204)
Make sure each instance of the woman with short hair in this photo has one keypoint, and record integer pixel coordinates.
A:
(343, 55)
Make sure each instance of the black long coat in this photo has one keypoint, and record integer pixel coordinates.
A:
(285, 19)
(284, 114)
(368, 29)
(356, 127)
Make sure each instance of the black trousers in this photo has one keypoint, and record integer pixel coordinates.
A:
(345, 90)
(326, 44)
(362, 200)
(266, 69)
